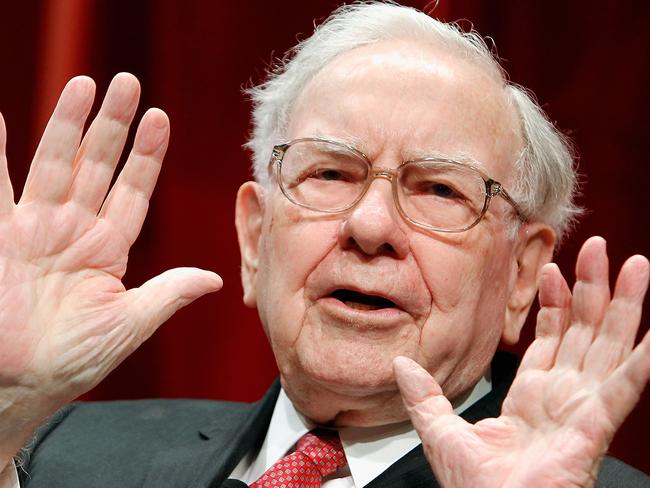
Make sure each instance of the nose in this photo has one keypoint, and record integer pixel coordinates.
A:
(373, 225)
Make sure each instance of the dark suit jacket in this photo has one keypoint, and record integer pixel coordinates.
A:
(197, 443)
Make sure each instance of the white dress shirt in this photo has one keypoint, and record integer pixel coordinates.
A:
(369, 451)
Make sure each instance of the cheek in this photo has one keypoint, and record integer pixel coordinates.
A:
(295, 243)
(459, 272)
(467, 282)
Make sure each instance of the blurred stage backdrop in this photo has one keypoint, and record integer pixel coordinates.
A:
(588, 63)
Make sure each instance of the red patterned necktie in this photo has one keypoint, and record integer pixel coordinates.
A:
(318, 454)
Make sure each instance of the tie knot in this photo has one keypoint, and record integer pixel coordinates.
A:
(323, 447)
(318, 454)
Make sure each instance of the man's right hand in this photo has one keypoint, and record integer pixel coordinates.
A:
(66, 320)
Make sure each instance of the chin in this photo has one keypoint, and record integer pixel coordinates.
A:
(352, 361)
(349, 373)
(355, 384)
(346, 400)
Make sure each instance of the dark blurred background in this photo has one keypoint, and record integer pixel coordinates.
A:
(587, 62)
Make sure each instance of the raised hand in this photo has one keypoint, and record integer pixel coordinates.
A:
(577, 382)
(66, 320)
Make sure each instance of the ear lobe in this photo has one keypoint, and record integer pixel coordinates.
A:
(535, 249)
(249, 212)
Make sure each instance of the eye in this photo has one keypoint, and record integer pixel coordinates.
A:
(328, 174)
(438, 189)
(443, 191)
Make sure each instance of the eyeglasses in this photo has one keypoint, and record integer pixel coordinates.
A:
(434, 194)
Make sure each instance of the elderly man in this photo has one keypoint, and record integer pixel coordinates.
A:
(406, 205)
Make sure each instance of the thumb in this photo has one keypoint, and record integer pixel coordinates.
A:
(423, 398)
(160, 297)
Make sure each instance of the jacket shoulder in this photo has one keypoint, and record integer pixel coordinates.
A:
(91, 439)
(616, 474)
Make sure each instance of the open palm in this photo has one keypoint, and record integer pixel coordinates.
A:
(66, 320)
(576, 384)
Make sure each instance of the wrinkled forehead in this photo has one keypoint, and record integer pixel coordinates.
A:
(411, 100)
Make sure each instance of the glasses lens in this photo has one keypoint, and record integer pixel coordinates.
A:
(322, 175)
(441, 194)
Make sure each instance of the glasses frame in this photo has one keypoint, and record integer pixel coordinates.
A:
(492, 187)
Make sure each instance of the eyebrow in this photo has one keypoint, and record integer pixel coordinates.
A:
(460, 157)
(356, 143)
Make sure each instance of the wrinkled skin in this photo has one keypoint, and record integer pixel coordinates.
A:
(66, 320)
(456, 295)
(575, 386)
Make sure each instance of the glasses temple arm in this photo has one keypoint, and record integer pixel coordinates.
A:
(497, 189)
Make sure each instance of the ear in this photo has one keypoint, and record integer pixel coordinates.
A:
(249, 212)
(535, 244)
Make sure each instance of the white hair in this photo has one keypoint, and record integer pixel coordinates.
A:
(544, 177)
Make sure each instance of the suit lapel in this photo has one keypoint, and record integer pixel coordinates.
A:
(413, 470)
(219, 446)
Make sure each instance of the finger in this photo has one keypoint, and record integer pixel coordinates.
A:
(103, 143)
(622, 319)
(590, 300)
(552, 319)
(160, 297)
(6, 191)
(127, 204)
(430, 411)
(431, 414)
(623, 388)
(50, 175)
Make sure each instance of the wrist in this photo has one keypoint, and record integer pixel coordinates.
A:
(21, 413)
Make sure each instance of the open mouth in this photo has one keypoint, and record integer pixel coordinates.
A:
(361, 301)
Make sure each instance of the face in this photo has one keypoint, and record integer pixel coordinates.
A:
(341, 295)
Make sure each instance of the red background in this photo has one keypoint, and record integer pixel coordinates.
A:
(587, 61)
